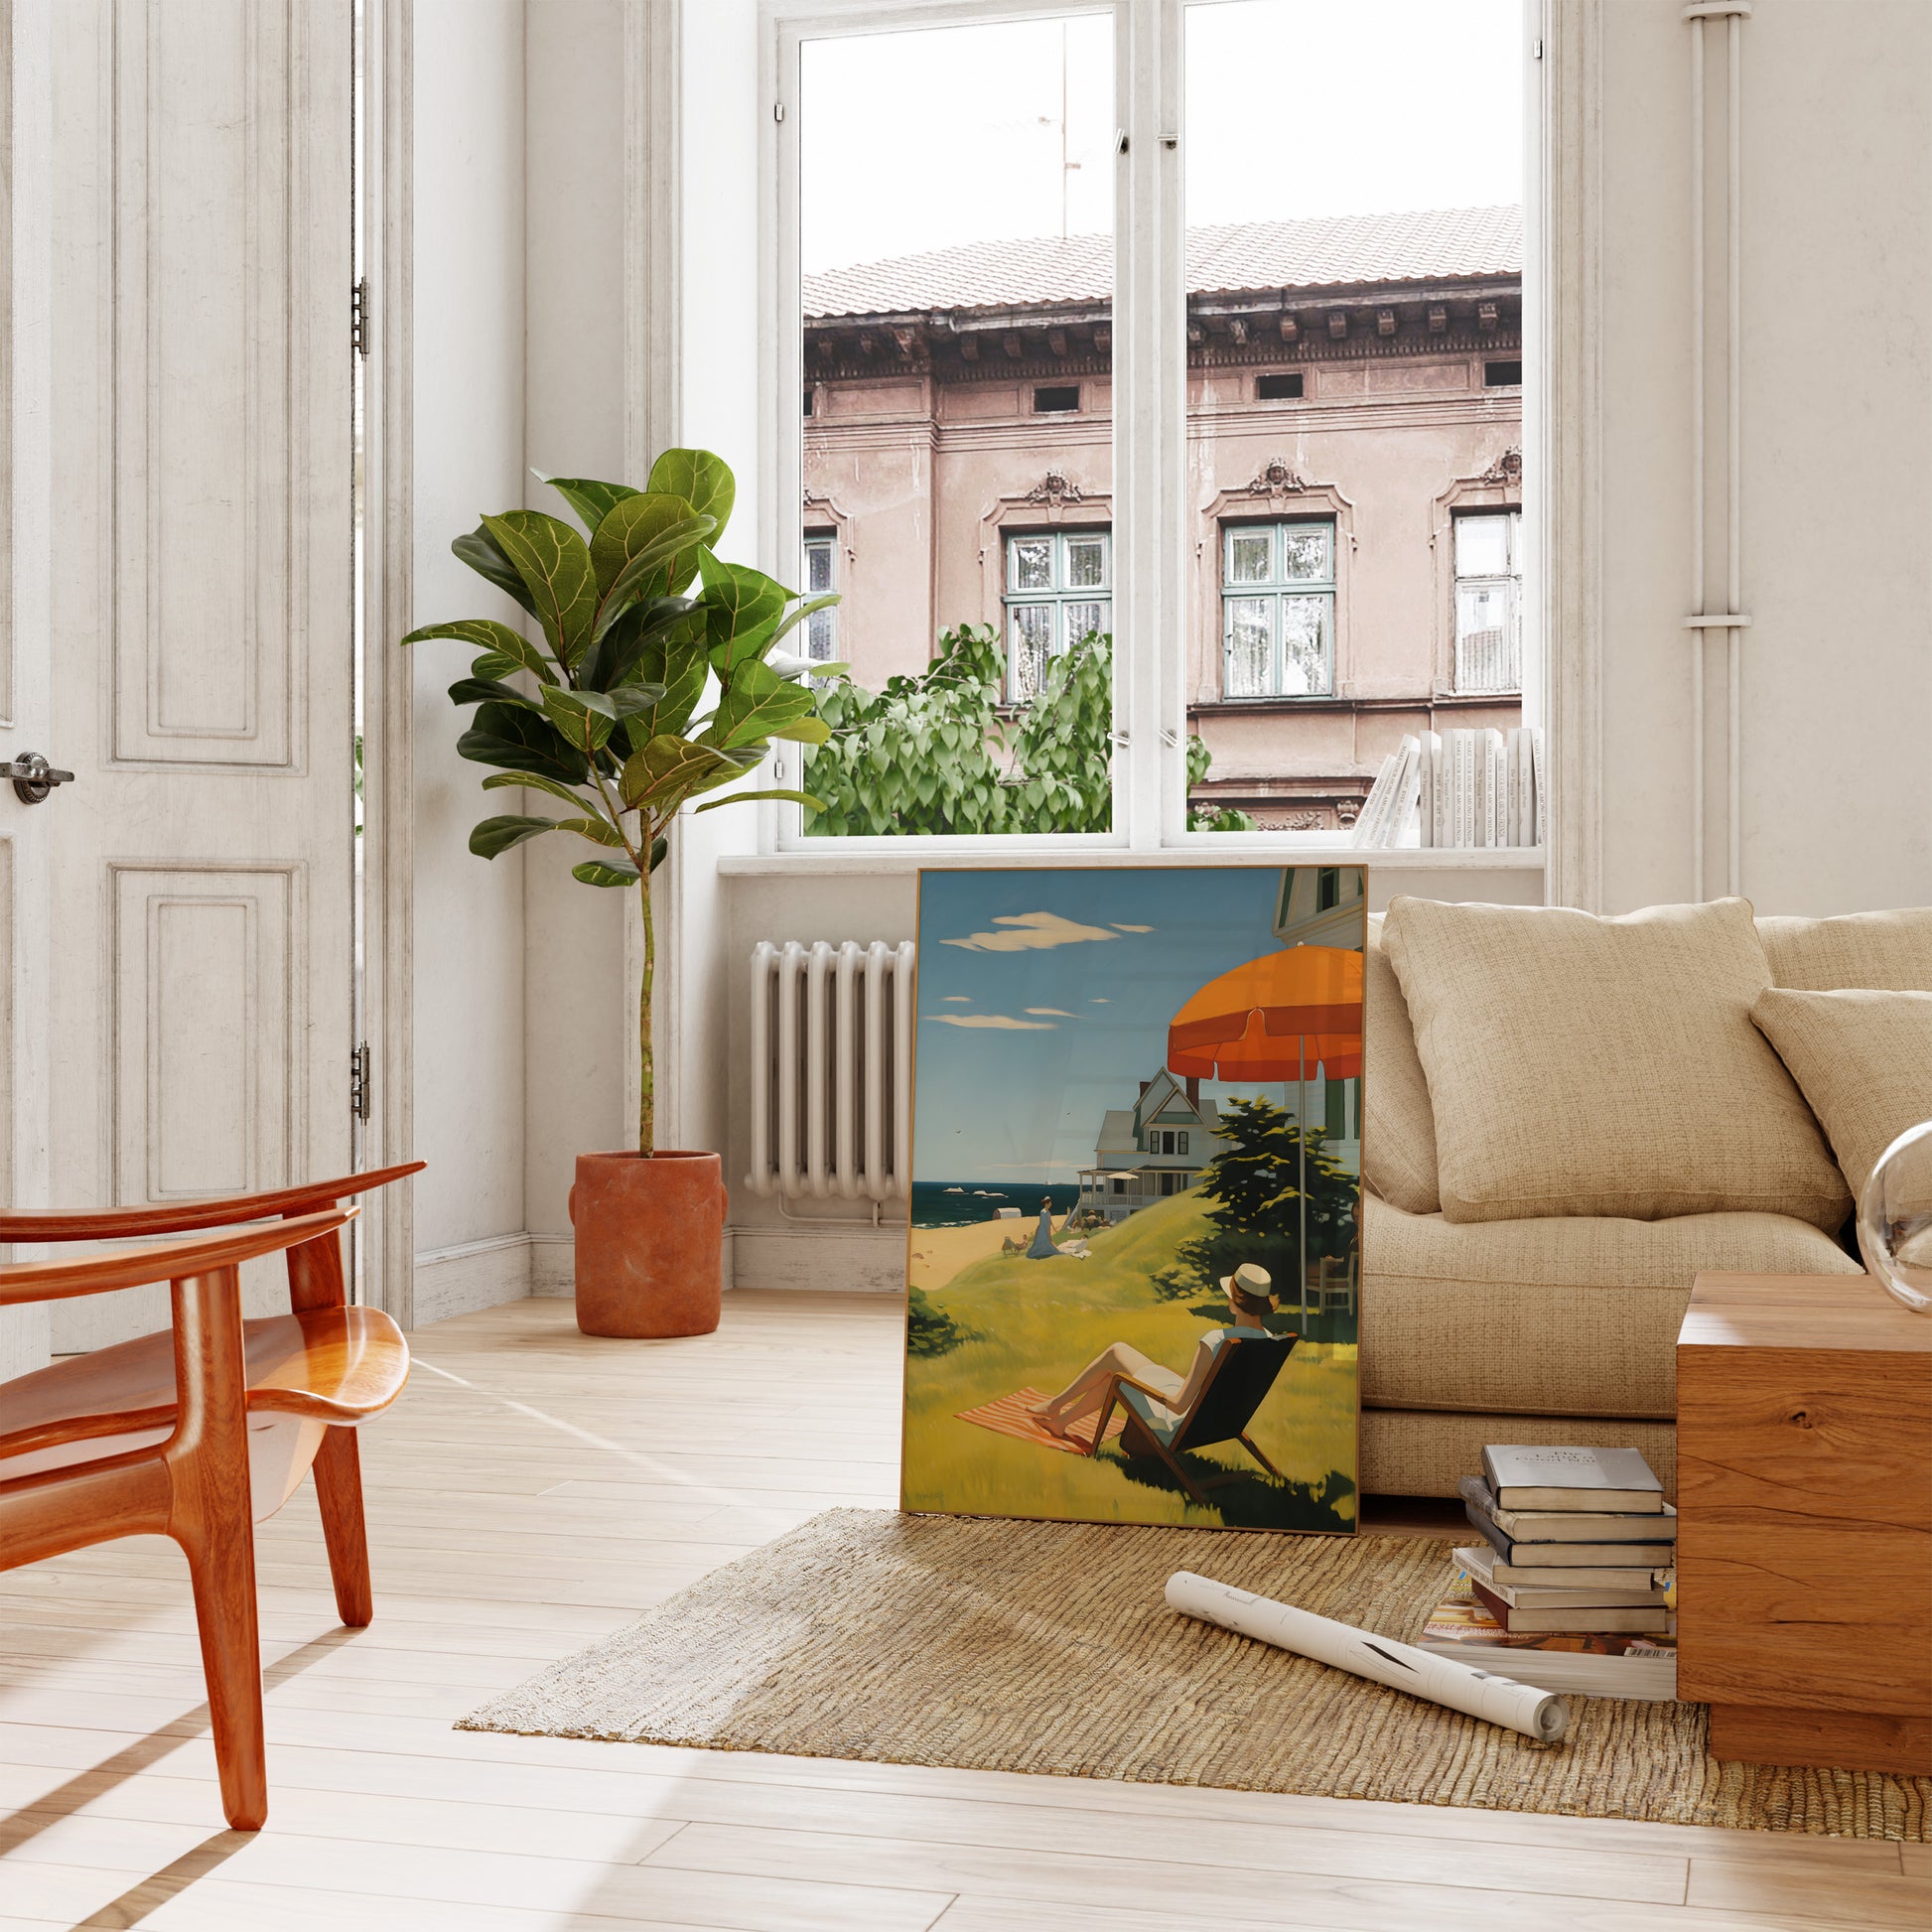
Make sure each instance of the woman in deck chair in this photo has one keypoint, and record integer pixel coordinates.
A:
(1250, 1293)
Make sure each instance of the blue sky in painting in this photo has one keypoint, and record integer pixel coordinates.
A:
(1055, 1008)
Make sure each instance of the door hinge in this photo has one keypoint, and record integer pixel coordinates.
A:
(778, 112)
(359, 1083)
(359, 318)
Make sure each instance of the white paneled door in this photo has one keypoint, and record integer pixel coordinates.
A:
(199, 1010)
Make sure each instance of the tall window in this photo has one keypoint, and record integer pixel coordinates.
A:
(1278, 609)
(821, 575)
(1489, 601)
(1058, 586)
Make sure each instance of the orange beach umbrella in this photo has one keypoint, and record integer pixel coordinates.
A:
(1274, 1016)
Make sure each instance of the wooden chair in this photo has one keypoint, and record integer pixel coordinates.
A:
(1245, 1369)
(199, 1432)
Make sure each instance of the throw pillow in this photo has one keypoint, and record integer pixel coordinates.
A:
(1398, 1129)
(1586, 1066)
(1857, 949)
(1865, 1061)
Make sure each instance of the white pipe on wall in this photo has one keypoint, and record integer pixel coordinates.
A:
(1731, 621)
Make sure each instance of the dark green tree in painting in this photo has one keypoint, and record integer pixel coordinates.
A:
(1255, 1211)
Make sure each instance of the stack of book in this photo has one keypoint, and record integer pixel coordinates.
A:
(1574, 1574)
(1457, 789)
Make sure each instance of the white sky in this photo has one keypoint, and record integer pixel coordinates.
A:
(929, 138)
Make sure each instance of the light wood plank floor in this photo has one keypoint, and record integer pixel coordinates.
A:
(534, 1490)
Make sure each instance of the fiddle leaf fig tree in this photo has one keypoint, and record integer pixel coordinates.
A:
(641, 624)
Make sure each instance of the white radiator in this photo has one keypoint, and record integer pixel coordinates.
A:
(832, 1069)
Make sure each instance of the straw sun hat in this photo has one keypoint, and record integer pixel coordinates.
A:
(1251, 1280)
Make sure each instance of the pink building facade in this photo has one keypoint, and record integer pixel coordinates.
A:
(1355, 480)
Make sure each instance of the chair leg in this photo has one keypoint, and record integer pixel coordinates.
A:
(1186, 1481)
(338, 1489)
(1262, 1459)
(222, 1566)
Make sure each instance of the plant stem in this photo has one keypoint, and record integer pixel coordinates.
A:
(646, 1067)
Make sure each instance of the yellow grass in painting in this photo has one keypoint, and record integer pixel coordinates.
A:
(1039, 1322)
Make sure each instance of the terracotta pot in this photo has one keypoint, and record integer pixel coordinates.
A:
(650, 1241)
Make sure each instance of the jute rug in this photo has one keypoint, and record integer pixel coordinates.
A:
(1047, 1647)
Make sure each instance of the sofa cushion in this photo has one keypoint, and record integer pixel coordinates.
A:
(1863, 1060)
(1398, 1129)
(1560, 1317)
(1876, 949)
(1426, 1452)
(1586, 1066)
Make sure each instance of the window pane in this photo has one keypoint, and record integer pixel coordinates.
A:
(1029, 562)
(1482, 546)
(1488, 651)
(1086, 563)
(818, 567)
(1250, 556)
(821, 636)
(1031, 644)
(1084, 620)
(1304, 645)
(1251, 654)
(955, 239)
(1308, 553)
(1384, 274)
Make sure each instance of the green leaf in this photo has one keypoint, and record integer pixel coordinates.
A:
(632, 526)
(756, 704)
(793, 621)
(704, 480)
(522, 740)
(666, 619)
(538, 782)
(592, 501)
(646, 574)
(554, 563)
(669, 769)
(741, 609)
(606, 872)
(479, 550)
(497, 835)
(659, 846)
(745, 798)
(486, 690)
(496, 638)
(805, 731)
(585, 718)
(598, 829)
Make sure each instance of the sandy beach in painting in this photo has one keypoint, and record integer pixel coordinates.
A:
(938, 1254)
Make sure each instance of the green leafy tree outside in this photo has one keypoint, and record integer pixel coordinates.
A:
(942, 753)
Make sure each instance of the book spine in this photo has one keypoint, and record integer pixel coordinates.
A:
(1491, 1534)
(1371, 812)
(1428, 745)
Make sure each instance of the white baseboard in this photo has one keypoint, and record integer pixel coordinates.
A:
(800, 1256)
(475, 1275)
(553, 1264)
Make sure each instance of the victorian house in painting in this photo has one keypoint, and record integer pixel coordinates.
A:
(1354, 479)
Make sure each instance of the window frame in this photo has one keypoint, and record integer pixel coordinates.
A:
(1274, 590)
(1154, 524)
(1060, 595)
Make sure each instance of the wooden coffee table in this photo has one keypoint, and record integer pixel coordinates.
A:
(1803, 1539)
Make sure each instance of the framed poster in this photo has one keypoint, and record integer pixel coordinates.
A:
(1133, 1262)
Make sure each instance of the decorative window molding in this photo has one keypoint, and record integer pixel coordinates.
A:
(1497, 487)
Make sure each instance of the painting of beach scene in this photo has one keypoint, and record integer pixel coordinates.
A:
(1133, 1264)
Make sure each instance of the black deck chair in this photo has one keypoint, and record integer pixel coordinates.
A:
(1244, 1371)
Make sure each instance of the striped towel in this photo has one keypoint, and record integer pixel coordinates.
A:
(1009, 1417)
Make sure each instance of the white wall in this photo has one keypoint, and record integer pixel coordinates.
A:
(574, 399)
(1836, 426)
(470, 982)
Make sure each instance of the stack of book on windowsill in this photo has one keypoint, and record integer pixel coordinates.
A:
(1574, 1575)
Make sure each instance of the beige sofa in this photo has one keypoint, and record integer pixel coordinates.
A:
(1562, 1326)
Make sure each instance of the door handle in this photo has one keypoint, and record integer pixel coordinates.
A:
(33, 777)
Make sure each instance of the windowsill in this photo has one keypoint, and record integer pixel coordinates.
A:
(856, 860)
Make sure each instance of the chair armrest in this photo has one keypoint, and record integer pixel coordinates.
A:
(183, 1217)
(59, 1280)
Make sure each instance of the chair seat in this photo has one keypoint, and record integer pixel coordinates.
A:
(324, 1365)
(1158, 1423)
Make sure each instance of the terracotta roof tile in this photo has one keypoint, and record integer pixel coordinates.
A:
(1428, 245)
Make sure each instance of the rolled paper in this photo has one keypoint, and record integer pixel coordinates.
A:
(1401, 1666)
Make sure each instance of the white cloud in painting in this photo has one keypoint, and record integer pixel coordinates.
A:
(964, 999)
(1132, 928)
(1096, 1001)
(1028, 930)
(1053, 1012)
(1005, 1020)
